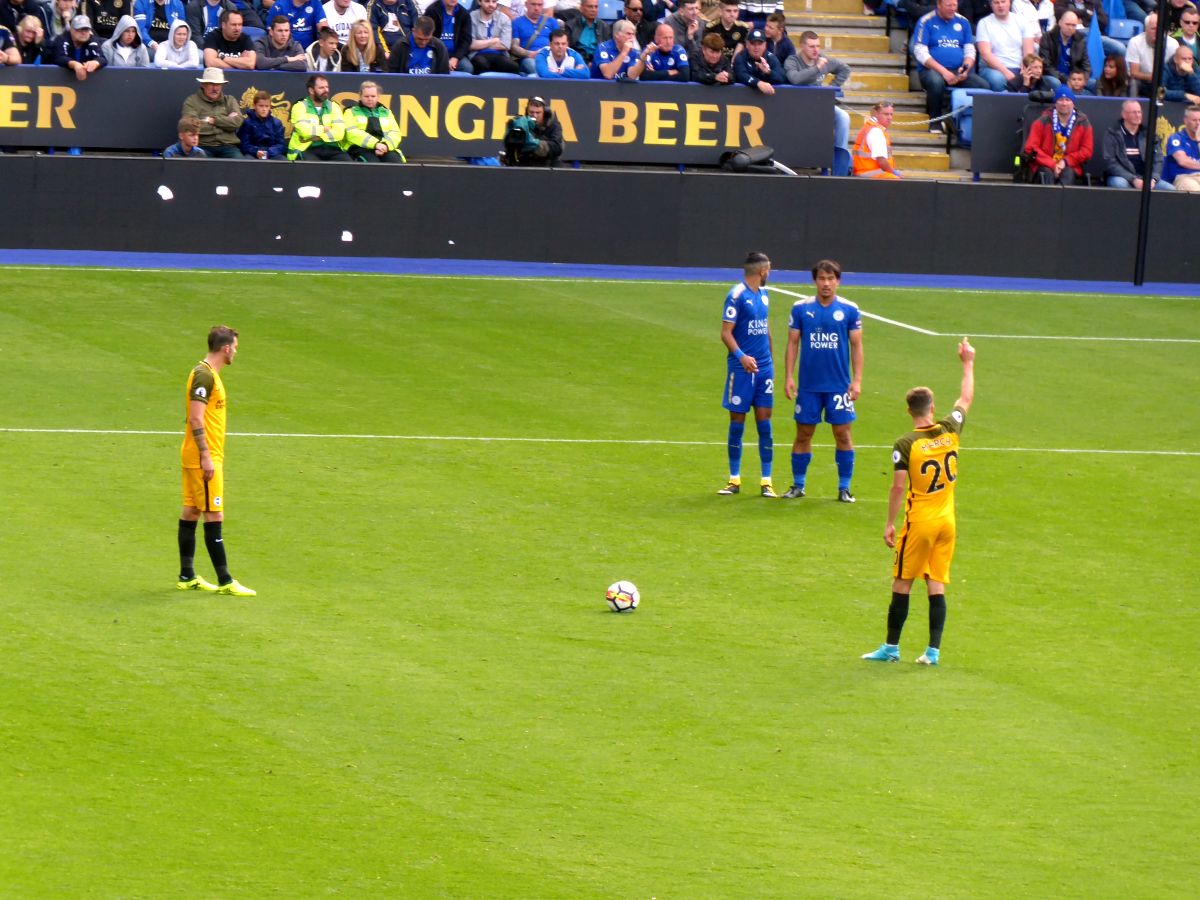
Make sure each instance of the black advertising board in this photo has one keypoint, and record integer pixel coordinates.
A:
(439, 115)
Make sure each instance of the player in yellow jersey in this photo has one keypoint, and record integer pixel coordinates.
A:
(203, 458)
(926, 464)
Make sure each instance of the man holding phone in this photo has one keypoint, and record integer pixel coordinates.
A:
(944, 48)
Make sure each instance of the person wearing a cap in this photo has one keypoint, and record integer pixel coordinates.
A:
(1060, 141)
(664, 60)
(547, 130)
(219, 115)
(78, 50)
(757, 67)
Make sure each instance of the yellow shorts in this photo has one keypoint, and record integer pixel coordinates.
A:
(206, 496)
(925, 549)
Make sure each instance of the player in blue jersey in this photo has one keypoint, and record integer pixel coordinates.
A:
(750, 376)
(825, 331)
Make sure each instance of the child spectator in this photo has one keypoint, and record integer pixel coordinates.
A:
(188, 145)
(261, 135)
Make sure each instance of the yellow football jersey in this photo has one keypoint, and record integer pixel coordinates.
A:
(204, 384)
(930, 456)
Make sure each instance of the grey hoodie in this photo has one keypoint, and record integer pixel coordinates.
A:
(167, 57)
(138, 55)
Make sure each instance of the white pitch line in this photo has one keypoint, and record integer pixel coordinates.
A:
(1010, 337)
(867, 314)
(466, 438)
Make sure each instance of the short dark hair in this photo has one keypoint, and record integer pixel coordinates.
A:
(275, 20)
(809, 36)
(424, 24)
(313, 79)
(828, 265)
(755, 260)
(221, 335)
(1083, 73)
(326, 32)
(557, 33)
(262, 95)
(188, 125)
(226, 13)
(781, 20)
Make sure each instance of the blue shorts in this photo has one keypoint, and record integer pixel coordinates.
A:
(838, 408)
(743, 390)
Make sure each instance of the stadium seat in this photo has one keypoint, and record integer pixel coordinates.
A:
(964, 99)
(1124, 29)
(841, 161)
(611, 10)
(254, 33)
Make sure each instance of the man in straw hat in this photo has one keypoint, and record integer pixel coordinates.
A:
(218, 114)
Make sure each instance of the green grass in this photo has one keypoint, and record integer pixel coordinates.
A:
(429, 698)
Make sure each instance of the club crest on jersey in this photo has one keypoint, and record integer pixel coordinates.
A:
(730, 311)
(736, 401)
(838, 315)
(201, 392)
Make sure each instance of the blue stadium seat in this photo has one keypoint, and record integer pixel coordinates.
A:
(964, 99)
(1123, 29)
(253, 33)
(611, 10)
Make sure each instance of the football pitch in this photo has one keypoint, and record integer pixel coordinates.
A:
(431, 481)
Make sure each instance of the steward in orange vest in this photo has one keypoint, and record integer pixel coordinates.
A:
(866, 164)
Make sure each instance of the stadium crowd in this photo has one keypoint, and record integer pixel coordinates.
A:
(1034, 47)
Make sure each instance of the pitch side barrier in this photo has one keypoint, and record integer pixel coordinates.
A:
(439, 115)
(314, 210)
(1002, 119)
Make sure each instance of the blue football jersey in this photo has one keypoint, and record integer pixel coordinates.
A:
(747, 310)
(825, 343)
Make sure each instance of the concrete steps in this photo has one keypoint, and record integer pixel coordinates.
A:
(877, 73)
(846, 7)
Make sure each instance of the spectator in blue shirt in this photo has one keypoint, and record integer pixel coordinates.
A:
(616, 58)
(188, 145)
(559, 60)
(664, 60)
(530, 33)
(944, 48)
(1181, 163)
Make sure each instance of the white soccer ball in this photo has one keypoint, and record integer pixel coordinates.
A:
(623, 596)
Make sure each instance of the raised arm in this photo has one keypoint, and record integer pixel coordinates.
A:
(966, 393)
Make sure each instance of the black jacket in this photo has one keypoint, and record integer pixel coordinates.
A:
(61, 50)
(549, 149)
(462, 27)
(1116, 160)
(1050, 50)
